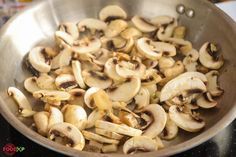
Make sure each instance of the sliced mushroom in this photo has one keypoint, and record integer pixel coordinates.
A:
(124, 91)
(166, 32)
(189, 65)
(71, 29)
(102, 55)
(170, 131)
(92, 24)
(184, 45)
(212, 84)
(62, 59)
(151, 76)
(102, 100)
(21, 100)
(143, 24)
(64, 70)
(206, 101)
(115, 43)
(45, 81)
(71, 135)
(128, 119)
(77, 96)
(65, 82)
(209, 56)
(152, 88)
(92, 136)
(120, 129)
(41, 122)
(139, 143)
(162, 20)
(109, 148)
(159, 142)
(93, 117)
(63, 39)
(87, 45)
(88, 99)
(166, 62)
(93, 146)
(96, 79)
(150, 64)
(131, 32)
(110, 70)
(177, 69)
(186, 82)
(75, 115)
(112, 12)
(31, 85)
(39, 59)
(142, 98)
(76, 67)
(108, 134)
(55, 116)
(115, 27)
(185, 120)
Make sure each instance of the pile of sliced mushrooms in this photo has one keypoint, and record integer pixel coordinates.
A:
(113, 82)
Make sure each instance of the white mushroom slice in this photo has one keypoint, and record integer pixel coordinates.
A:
(206, 101)
(110, 70)
(112, 12)
(181, 85)
(160, 144)
(116, 44)
(65, 82)
(120, 129)
(166, 62)
(108, 134)
(75, 115)
(64, 70)
(166, 49)
(62, 59)
(55, 116)
(39, 59)
(212, 84)
(21, 100)
(128, 119)
(109, 148)
(143, 24)
(92, 136)
(159, 117)
(125, 91)
(102, 56)
(115, 27)
(93, 117)
(150, 64)
(64, 39)
(41, 122)
(185, 120)
(51, 95)
(210, 57)
(72, 136)
(77, 96)
(87, 45)
(131, 32)
(132, 68)
(179, 32)
(31, 85)
(142, 98)
(152, 88)
(70, 28)
(45, 81)
(166, 32)
(190, 65)
(76, 67)
(193, 55)
(170, 131)
(92, 24)
(151, 77)
(128, 46)
(181, 43)
(161, 20)
(96, 79)
(122, 107)
(88, 99)
(139, 143)
(177, 69)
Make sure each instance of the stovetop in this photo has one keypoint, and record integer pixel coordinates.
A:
(222, 145)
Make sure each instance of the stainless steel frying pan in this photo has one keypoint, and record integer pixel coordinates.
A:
(36, 25)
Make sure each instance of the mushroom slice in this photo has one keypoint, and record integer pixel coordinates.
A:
(132, 68)
(92, 136)
(77, 96)
(166, 62)
(70, 28)
(187, 81)
(88, 99)
(75, 115)
(166, 32)
(39, 59)
(31, 85)
(131, 32)
(151, 77)
(143, 24)
(76, 67)
(116, 44)
(159, 142)
(124, 91)
(45, 81)
(102, 55)
(212, 84)
(185, 120)
(93, 146)
(55, 116)
(190, 65)
(184, 45)
(92, 24)
(159, 117)
(162, 20)
(62, 59)
(109, 148)
(110, 70)
(206, 101)
(108, 134)
(144, 121)
(210, 57)
(41, 122)
(96, 79)
(93, 117)
(142, 99)
(112, 12)
(51, 95)
(71, 135)
(115, 27)
(170, 131)
(64, 39)
(179, 32)
(120, 129)
(87, 45)
(128, 119)
(150, 64)
(64, 70)
(21, 100)
(139, 143)
(152, 88)
(177, 69)
(192, 55)
(65, 82)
